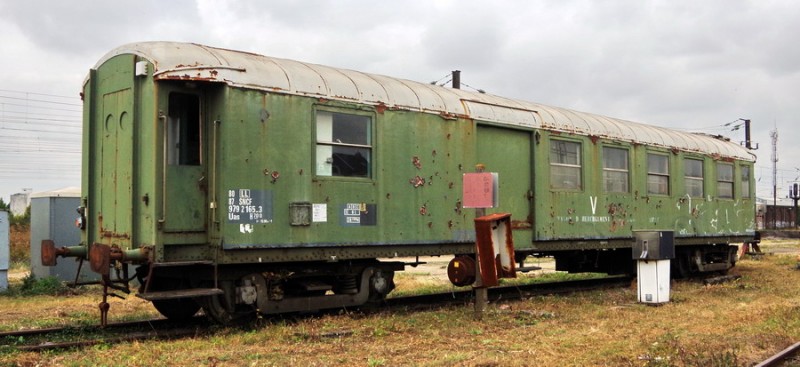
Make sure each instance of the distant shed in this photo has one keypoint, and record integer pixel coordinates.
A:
(779, 214)
(53, 217)
(19, 203)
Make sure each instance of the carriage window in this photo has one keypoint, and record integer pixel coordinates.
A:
(745, 181)
(725, 180)
(183, 130)
(657, 174)
(565, 165)
(693, 177)
(343, 144)
(615, 169)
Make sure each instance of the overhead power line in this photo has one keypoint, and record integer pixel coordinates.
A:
(728, 126)
(41, 101)
(37, 94)
(40, 138)
(32, 121)
(41, 131)
(2, 104)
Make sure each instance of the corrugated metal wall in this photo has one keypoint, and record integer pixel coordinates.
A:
(777, 217)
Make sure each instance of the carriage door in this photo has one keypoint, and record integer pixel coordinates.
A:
(116, 168)
(508, 152)
(185, 183)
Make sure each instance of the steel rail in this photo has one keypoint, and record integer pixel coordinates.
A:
(111, 334)
(54, 330)
(510, 292)
(781, 356)
(168, 334)
(160, 328)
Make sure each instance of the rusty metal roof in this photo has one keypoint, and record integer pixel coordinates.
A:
(190, 61)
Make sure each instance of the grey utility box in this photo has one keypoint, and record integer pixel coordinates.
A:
(654, 245)
(5, 249)
(652, 252)
(53, 217)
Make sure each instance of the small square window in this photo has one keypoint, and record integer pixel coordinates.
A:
(615, 169)
(693, 177)
(565, 165)
(657, 174)
(344, 144)
(725, 180)
(746, 181)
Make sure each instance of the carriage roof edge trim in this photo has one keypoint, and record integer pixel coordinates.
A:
(190, 61)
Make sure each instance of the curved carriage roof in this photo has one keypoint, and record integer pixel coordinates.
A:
(190, 61)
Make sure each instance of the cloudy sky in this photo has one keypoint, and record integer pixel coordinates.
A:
(691, 65)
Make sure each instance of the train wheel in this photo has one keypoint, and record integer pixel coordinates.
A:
(177, 309)
(380, 284)
(214, 310)
(222, 310)
(174, 309)
(682, 268)
(733, 255)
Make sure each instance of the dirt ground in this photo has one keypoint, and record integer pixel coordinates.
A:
(435, 267)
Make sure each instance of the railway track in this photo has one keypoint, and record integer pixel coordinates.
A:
(78, 337)
(786, 357)
(509, 292)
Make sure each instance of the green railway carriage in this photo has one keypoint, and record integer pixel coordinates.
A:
(237, 181)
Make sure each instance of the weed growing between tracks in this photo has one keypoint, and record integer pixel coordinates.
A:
(736, 323)
(28, 309)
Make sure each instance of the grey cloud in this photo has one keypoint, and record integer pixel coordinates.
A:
(77, 27)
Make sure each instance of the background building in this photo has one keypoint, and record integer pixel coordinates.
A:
(775, 215)
(19, 202)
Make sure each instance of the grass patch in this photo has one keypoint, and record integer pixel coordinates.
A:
(19, 243)
(669, 350)
(421, 283)
(33, 286)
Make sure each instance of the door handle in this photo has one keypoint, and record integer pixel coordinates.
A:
(201, 183)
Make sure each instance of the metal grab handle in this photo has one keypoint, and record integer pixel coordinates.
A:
(645, 249)
(163, 118)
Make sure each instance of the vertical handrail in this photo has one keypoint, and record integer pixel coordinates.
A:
(214, 164)
(164, 153)
(213, 172)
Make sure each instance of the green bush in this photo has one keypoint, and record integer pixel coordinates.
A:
(32, 286)
(21, 220)
(20, 245)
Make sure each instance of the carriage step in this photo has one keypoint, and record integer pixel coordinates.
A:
(526, 269)
(180, 293)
